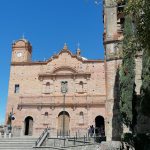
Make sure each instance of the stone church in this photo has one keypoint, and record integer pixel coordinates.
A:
(35, 88)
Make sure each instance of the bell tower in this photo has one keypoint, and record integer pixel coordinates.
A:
(113, 37)
(110, 28)
(21, 51)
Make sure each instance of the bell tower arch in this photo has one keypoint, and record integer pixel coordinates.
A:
(21, 51)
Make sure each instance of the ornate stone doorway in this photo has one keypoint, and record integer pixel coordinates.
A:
(99, 126)
(63, 121)
(28, 126)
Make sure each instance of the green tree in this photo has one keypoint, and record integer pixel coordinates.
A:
(145, 89)
(127, 74)
(140, 10)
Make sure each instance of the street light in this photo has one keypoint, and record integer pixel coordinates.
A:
(64, 90)
(10, 119)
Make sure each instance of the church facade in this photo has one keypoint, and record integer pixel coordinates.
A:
(36, 97)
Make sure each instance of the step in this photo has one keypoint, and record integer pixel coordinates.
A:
(19, 139)
(15, 148)
(17, 143)
(5, 141)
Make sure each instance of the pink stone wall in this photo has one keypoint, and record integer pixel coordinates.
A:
(34, 99)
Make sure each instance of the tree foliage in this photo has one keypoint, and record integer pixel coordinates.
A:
(139, 12)
(145, 89)
(127, 74)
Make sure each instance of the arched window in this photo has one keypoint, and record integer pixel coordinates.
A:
(47, 88)
(81, 118)
(81, 113)
(81, 83)
(81, 86)
(46, 113)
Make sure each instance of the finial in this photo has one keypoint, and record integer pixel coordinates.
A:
(78, 52)
(65, 46)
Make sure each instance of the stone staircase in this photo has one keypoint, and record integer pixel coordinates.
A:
(17, 143)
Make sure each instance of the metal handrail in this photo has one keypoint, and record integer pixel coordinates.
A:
(41, 136)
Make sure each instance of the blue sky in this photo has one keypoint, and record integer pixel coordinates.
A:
(48, 24)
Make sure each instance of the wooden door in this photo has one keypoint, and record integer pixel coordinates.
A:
(63, 124)
(30, 127)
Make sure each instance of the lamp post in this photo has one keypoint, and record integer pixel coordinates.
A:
(64, 89)
(10, 118)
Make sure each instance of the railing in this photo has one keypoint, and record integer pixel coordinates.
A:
(88, 138)
(66, 142)
(41, 137)
(60, 133)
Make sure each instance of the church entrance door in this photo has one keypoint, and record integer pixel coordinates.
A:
(99, 126)
(63, 123)
(28, 126)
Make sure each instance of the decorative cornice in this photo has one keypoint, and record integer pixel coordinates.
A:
(109, 41)
(28, 63)
(53, 105)
(73, 75)
(59, 95)
(46, 62)
(64, 68)
(113, 58)
(39, 101)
